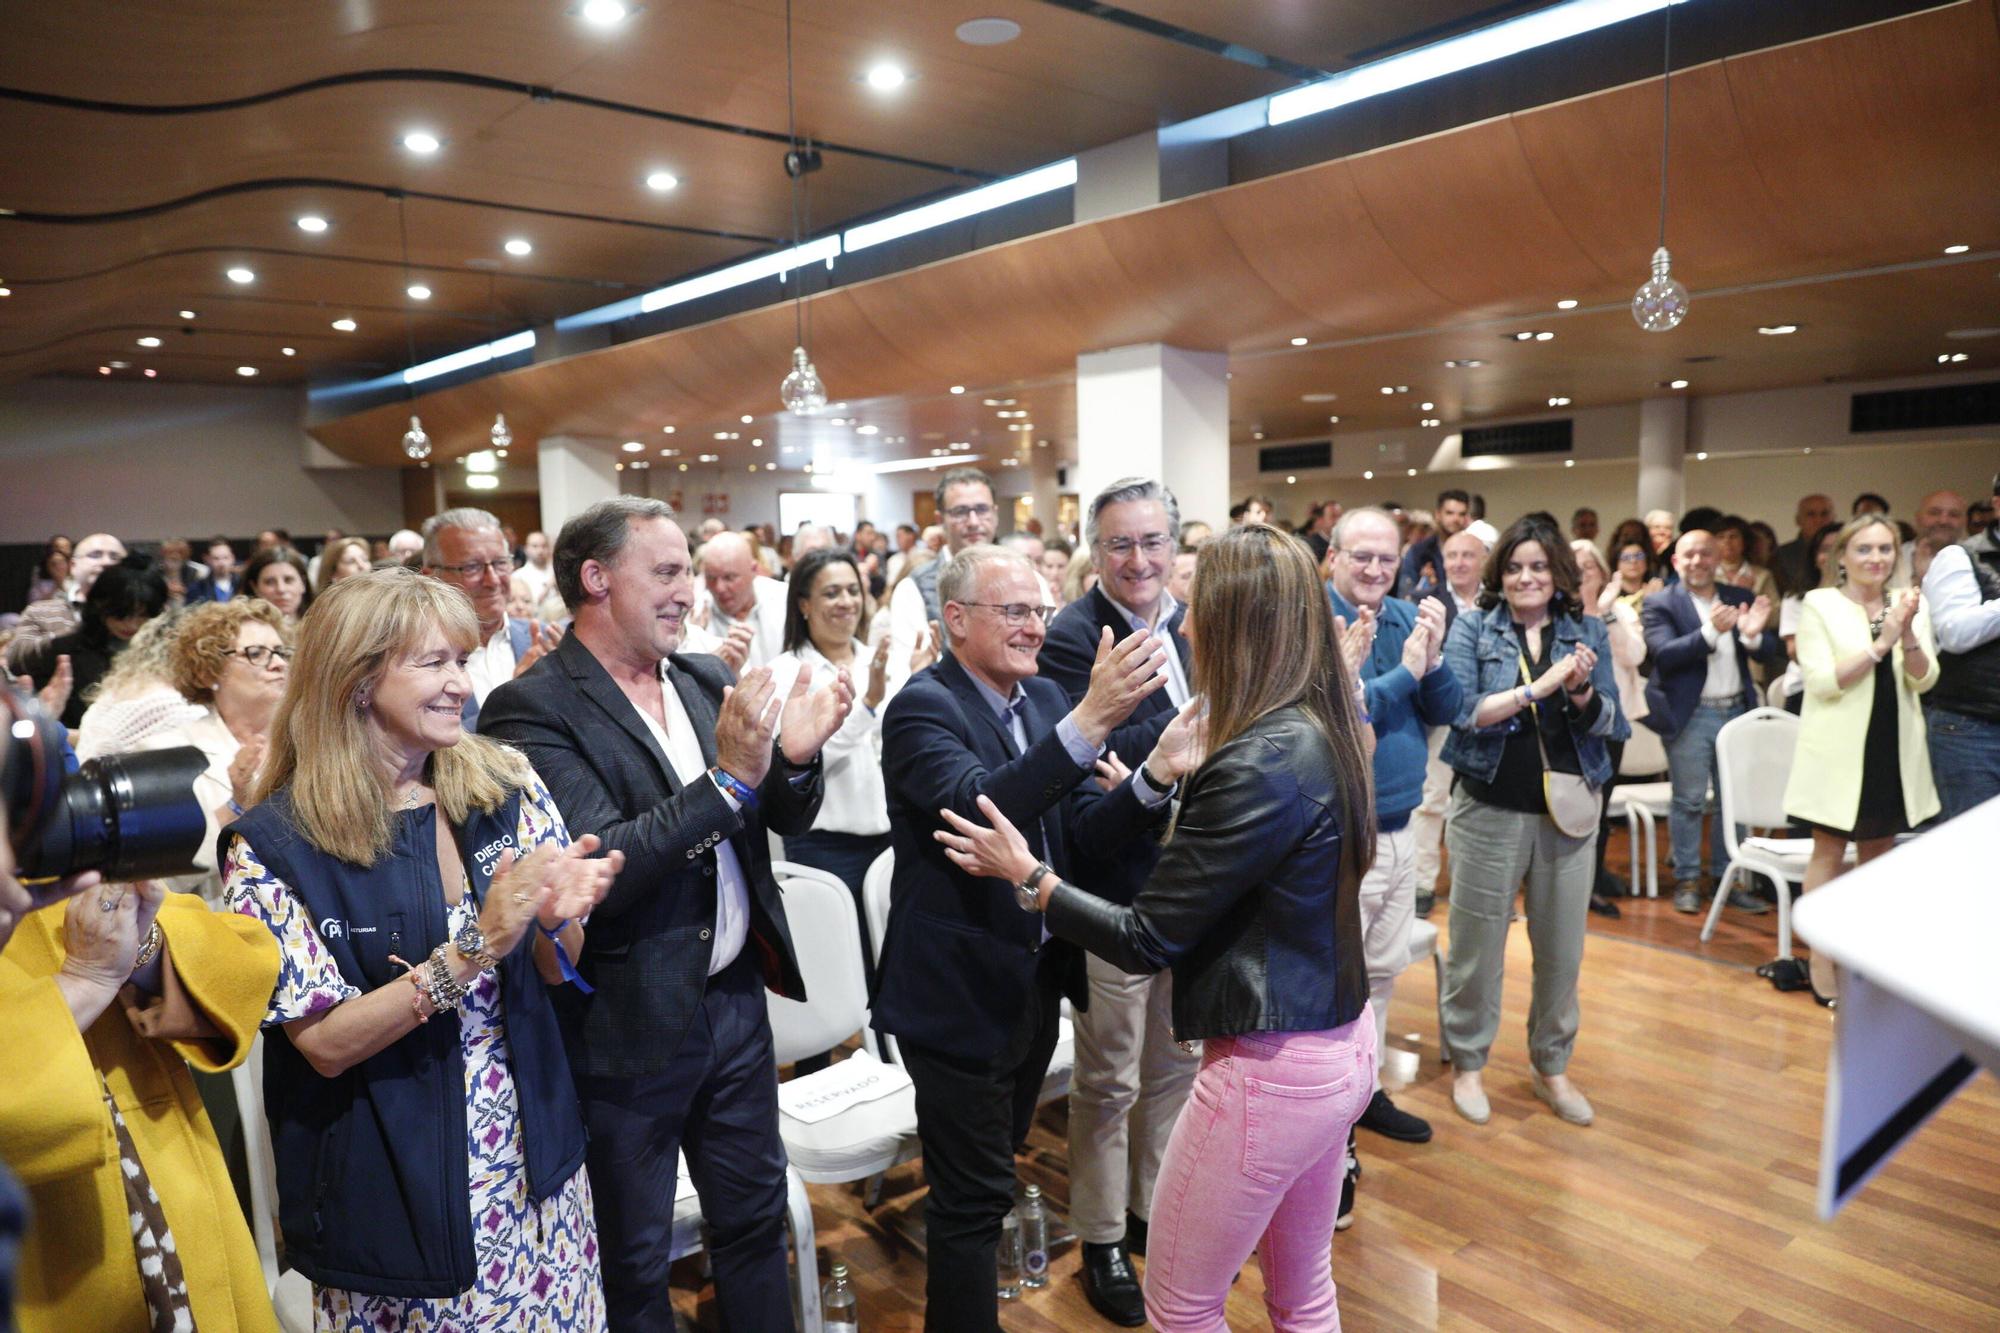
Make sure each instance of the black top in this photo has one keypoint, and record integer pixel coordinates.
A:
(1518, 783)
(1247, 903)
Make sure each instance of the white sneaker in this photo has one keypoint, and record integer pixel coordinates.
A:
(1468, 1098)
(1569, 1104)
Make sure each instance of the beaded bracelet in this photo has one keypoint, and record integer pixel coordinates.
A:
(445, 992)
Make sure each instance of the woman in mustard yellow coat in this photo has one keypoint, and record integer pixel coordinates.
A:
(102, 1016)
(1862, 771)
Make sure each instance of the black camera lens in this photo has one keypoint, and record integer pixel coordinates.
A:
(130, 816)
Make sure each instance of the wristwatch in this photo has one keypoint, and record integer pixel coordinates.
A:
(1028, 892)
(471, 945)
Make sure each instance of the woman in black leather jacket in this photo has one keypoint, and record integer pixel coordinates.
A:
(1255, 906)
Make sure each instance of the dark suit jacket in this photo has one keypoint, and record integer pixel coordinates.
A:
(647, 949)
(960, 955)
(1679, 654)
(1066, 657)
(203, 590)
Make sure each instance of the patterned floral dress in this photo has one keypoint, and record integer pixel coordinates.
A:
(538, 1266)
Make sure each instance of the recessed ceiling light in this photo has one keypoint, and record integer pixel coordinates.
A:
(662, 181)
(1413, 472)
(1298, 342)
(246, 371)
(187, 314)
(312, 223)
(288, 351)
(151, 373)
(419, 292)
(1544, 336)
(1677, 384)
(867, 430)
(104, 370)
(1777, 330)
(1945, 357)
(118, 365)
(1964, 335)
(1388, 388)
(1317, 397)
(988, 32)
(1464, 363)
(421, 142)
(1368, 476)
(603, 13)
(519, 247)
(1956, 249)
(1567, 303)
(1256, 434)
(1291, 481)
(149, 341)
(666, 430)
(958, 388)
(885, 77)
(344, 325)
(998, 402)
(756, 444)
(1430, 421)
(746, 418)
(6, 291)
(240, 276)
(1333, 421)
(632, 447)
(1425, 407)
(1701, 457)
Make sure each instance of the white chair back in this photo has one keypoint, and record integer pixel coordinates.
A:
(826, 932)
(1753, 758)
(875, 898)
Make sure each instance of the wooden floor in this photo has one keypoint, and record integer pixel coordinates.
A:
(1688, 1205)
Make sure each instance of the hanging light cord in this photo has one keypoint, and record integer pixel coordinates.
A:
(409, 333)
(1666, 116)
(796, 170)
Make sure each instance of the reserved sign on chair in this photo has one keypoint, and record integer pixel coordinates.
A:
(825, 1094)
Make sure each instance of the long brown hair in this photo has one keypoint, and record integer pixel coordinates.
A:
(321, 744)
(1264, 640)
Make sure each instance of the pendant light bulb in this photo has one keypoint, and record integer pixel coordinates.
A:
(415, 443)
(1661, 302)
(802, 393)
(501, 436)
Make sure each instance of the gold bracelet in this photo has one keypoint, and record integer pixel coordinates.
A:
(149, 948)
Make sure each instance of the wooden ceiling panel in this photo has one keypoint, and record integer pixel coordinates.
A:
(1330, 34)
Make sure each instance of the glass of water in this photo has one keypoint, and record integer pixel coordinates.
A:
(1010, 1258)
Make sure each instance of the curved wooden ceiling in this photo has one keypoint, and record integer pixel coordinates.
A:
(1794, 169)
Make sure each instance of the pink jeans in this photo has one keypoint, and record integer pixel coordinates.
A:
(1255, 1162)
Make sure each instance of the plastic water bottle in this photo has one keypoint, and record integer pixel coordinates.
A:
(1010, 1258)
(836, 1303)
(1034, 1240)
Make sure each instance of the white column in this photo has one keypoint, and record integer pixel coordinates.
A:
(1663, 434)
(1155, 411)
(574, 475)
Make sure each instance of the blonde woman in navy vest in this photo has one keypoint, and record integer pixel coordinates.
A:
(427, 900)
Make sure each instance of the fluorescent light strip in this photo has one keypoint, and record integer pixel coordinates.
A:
(1454, 54)
(824, 250)
(471, 356)
(1055, 176)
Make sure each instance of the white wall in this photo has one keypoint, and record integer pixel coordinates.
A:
(1757, 466)
(148, 460)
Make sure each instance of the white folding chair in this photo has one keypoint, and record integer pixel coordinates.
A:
(875, 901)
(1643, 804)
(291, 1293)
(867, 1138)
(1753, 755)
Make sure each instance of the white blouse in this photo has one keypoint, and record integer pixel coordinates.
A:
(856, 801)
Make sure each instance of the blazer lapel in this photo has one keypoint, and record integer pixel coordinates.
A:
(973, 702)
(596, 685)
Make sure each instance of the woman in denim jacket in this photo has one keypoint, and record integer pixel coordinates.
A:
(1527, 658)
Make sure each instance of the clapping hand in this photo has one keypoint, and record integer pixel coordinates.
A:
(1110, 772)
(1122, 675)
(1356, 640)
(927, 649)
(735, 646)
(1905, 615)
(808, 720)
(1182, 746)
(1724, 617)
(743, 727)
(243, 770)
(54, 696)
(998, 852)
(542, 640)
(1755, 618)
(878, 675)
(577, 881)
(1580, 663)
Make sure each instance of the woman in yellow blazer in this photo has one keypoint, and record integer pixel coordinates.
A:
(101, 1013)
(1862, 771)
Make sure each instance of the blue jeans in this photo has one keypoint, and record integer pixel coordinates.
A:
(1692, 768)
(1965, 759)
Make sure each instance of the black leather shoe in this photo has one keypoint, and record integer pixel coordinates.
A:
(1425, 902)
(1111, 1285)
(1344, 1219)
(1135, 1234)
(1384, 1118)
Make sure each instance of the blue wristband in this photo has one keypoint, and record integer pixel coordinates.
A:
(569, 972)
(745, 796)
(234, 808)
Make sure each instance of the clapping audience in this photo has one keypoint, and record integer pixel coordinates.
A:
(1176, 754)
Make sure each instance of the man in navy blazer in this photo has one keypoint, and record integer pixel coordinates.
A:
(467, 549)
(1131, 1074)
(971, 983)
(652, 750)
(1701, 636)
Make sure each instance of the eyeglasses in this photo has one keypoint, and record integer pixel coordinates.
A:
(471, 569)
(257, 654)
(1153, 543)
(1632, 557)
(1367, 558)
(959, 513)
(1016, 613)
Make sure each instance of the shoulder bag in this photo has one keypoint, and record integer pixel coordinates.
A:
(1573, 803)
